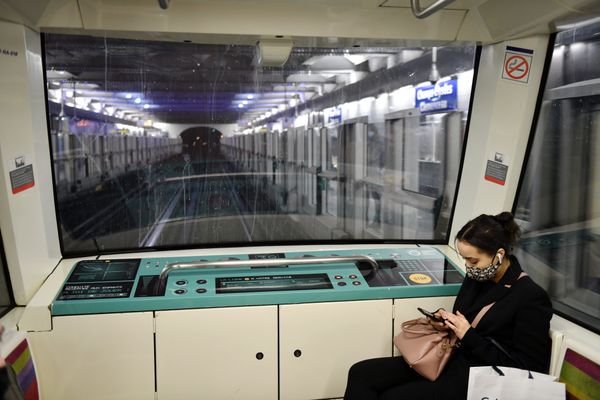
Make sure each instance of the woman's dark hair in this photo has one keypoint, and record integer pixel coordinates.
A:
(491, 232)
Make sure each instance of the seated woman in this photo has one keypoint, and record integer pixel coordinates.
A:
(519, 321)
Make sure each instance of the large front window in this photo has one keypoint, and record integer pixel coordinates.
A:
(161, 144)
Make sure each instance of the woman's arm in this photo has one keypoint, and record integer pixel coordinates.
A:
(530, 340)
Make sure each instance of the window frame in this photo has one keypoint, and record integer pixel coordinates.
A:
(99, 251)
(575, 316)
(6, 274)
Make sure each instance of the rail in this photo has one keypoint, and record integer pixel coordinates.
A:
(274, 262)
(426, 12)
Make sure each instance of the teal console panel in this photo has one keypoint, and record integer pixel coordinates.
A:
(109, 286)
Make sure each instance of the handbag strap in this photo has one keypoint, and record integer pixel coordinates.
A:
(485, 309)
(506, 353)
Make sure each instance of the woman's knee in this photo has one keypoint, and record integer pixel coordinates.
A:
(363, 369)
(358, 369)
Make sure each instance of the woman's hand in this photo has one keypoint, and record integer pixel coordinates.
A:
(440, 324)
(457, 322)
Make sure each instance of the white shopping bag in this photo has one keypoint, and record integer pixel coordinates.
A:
(485, 383)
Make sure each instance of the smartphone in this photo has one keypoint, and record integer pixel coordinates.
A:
(431, 315)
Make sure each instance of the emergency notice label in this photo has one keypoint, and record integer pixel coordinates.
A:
(22, 178)
(496, 172)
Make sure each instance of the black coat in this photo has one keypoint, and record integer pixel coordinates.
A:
(519, 321)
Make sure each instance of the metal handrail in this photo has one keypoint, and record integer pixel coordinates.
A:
(272, 262)
(424, 13)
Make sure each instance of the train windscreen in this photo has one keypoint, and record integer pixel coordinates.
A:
(159, 144)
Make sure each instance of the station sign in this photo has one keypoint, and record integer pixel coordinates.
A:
(439, 97)
(334, 115)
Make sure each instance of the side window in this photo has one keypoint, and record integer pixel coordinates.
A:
(559, 201)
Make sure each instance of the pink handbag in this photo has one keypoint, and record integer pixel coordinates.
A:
(426, 349)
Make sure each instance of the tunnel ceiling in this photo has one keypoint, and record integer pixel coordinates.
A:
(198, 83)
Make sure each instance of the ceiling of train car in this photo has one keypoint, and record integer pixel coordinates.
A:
(192, 83)
(177, 82)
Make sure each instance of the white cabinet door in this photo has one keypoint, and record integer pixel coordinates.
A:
(405, 309)
(219, 353)
(96, 357)
(320, 342)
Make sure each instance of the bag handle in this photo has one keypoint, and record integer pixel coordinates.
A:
(506, 353)
(513, 359)
(480, 314)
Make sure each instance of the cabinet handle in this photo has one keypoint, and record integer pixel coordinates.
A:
(297, 353)
(259, 356)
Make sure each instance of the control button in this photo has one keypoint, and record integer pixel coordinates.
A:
(356, 283)
(181, 282)
(352, 276)
(341, 283)
(200, 290)
(338, 277)
(201, 281)
(180, 291)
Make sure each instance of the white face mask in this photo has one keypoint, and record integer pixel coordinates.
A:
(485, 273)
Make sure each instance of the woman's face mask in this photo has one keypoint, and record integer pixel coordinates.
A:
(483, 274)
(475, 257)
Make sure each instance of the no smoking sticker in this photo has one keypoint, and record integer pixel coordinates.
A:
(517, 64)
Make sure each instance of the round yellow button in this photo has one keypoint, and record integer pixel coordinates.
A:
(420, 278)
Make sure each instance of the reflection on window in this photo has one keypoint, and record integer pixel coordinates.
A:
(376, 145)
(374, 222)
(331, 201)
(332, 148)
(423, 169)
(160, 144)
(559, 202)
